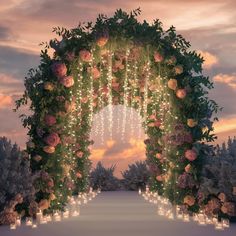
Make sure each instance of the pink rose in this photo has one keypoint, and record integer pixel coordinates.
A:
(190, 154)
(70, 106)
(60, 98)
(79, 154)
(105, 90)
(158, 156)
(160, 178)
(49, 120)
(152, 117)
(102, 41)
(52, 139)
(70, 56)
(181, 93)
(95, 72)
(178, 69)
(172, 60)
(188, 138)
(157, 123)
(59, 69)
(158, 57)
(85, 55)
(67, 81)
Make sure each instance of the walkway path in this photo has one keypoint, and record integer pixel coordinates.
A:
(118, 214)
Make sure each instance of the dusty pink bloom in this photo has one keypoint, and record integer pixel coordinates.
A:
(190, 154)
(102, 41)
(95, 72)
(85, 55)
(67, 81)
(59, 69)
(181, 93)
(79, 154)
(49, 120)
(178, 69)
(52, 139)
(158, 57)
(186, 181)
(60, 98)
(160, 178)
(70, 56)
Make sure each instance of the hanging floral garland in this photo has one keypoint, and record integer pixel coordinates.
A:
(118, 60)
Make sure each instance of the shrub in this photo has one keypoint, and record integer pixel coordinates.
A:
(102, 177)
(136, 176)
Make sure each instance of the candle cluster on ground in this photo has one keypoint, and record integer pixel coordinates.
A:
(174, 212)
(72, 209)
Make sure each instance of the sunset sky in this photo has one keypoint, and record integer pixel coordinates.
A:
(209, 25)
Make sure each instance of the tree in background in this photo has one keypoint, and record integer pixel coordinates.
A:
(102, 177)
(15, 180)
(136, 176)
(219, 179)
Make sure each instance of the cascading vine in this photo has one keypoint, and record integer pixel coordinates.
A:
(118, 60)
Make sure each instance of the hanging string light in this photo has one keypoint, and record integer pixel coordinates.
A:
(125, 102)
(145, 102)
(109, 77)
(91, 89)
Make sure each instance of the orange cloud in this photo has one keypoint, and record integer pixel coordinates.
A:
(122, 158)
(5, 101)
(209, 59)
(225, 125)
(226, 79)
(97, 154)
(10, 85)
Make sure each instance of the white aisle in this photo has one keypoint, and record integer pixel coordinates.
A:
(118, 214)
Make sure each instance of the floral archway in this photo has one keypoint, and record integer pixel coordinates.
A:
(118, 60)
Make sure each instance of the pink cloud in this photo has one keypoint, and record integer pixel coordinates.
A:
(230, 80)
(5, 101)
(225, 125)
(134, 151)
(210, 60)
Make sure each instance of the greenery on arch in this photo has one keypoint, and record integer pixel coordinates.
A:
(118, 60)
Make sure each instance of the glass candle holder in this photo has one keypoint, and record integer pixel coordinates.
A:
(219, 226)
(28, 221)
(56, 217)
(39, 216)
(34, 225)
(18, 221)
(13, 226)
(225, 223)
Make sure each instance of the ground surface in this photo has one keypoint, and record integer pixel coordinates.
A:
(118, 213)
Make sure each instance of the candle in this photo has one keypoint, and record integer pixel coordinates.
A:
(39, 216)
(219, 226)
(13, 226)
(28, 221)
(225, 223)
(75, 213)
(34, 226)
(139, 191)
(186, 218)
(57, 217)
(43, 220)
(49, 218)
(18, 221)
(65, 214)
